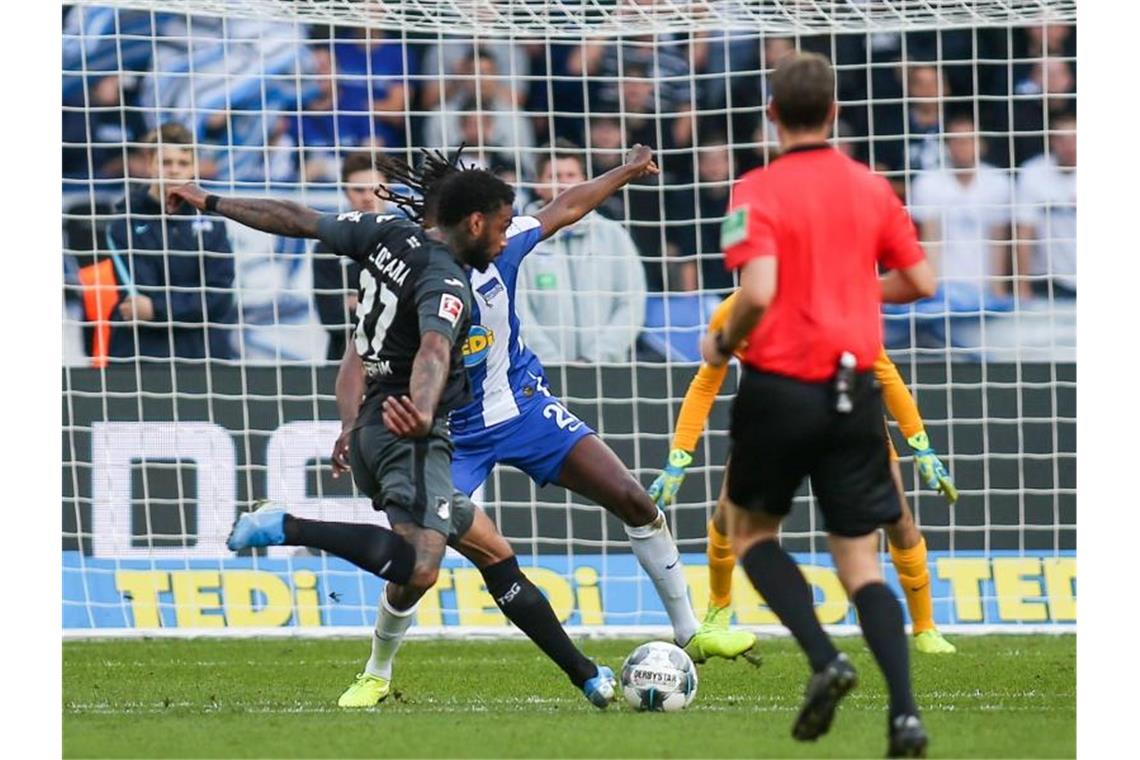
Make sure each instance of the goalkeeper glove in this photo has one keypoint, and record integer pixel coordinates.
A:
(664, 489)
(930, 468)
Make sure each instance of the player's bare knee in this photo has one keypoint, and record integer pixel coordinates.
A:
(903, 533)
(720, 515)
(750, 528)
(403, 596)
(486, 555)
(499, 553)
(635, 508)
(854, 581)
(423, 577)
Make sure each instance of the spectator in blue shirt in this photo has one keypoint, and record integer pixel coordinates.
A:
(95, 135)
(176, 269)
(372, 89)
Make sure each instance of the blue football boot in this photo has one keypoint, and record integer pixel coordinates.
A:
(265, 526)
(600, 689)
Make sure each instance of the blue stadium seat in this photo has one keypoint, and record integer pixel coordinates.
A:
(674, 323)
(950, 317)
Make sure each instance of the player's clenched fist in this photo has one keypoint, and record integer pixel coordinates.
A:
(136, 307)
(641, 157)
(190, 193)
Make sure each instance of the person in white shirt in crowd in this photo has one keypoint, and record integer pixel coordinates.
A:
(963, 213)
(453, 54)
(478, 84)
(1047, 215)
(581, 293)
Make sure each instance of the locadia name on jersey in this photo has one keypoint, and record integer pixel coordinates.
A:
(387, 265)
(377, 369)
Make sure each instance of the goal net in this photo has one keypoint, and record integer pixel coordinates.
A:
(200, 356)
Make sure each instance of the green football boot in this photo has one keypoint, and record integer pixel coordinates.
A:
(710, 641)
(366, 691)
(932, 642)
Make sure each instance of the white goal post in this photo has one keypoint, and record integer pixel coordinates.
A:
(224, 395)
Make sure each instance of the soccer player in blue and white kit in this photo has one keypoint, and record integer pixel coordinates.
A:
(513, 419)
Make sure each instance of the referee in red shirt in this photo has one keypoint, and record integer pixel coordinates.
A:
(808, 234)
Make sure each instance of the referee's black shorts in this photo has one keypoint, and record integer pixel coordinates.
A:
(784, 430)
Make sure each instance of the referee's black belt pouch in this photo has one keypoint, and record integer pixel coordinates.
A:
(859, 388)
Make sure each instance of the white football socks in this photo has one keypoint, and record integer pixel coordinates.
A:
(657, 553)
(391, 625)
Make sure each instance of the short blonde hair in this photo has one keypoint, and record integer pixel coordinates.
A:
(170, 133)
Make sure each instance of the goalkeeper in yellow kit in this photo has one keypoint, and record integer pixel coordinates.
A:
(908, 548)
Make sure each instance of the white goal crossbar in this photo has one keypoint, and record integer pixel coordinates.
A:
(569, 18)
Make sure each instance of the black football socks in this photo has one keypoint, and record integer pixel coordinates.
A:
(369, 547)
(881, 618)
(526, 607)
(778, 579)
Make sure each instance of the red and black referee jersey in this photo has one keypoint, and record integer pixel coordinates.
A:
(828, 220)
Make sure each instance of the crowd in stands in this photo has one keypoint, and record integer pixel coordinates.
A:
(975, 129)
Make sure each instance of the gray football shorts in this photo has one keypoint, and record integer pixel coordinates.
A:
(409, 479)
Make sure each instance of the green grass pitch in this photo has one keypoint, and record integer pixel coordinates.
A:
(1000, 696)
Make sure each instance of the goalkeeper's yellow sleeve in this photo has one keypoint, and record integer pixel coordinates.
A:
(697, 405)
(701, 395)
(897, 396)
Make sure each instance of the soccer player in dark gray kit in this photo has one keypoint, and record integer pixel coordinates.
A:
(413, 311)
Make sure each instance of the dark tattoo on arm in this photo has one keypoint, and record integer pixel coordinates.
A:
(278, 217)
(429, 372)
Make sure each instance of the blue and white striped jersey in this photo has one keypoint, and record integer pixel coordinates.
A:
(504, 373)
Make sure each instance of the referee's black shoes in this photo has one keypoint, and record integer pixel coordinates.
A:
(908, 739)
(824, 690)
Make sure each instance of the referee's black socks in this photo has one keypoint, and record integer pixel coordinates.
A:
(778, 579)
(526, 607)
(880, 617)
(369, 547)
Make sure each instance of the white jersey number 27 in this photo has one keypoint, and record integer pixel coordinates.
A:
(372, 291)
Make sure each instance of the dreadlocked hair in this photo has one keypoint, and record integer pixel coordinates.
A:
(421, 183)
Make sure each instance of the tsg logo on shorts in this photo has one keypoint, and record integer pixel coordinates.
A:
(477, 346)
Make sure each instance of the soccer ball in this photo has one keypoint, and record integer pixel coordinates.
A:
(659, 676)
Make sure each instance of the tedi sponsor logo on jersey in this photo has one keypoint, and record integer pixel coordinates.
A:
(387, 265)
(478, 345)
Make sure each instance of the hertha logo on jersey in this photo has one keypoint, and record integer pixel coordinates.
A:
(450, 308)
(488, 290)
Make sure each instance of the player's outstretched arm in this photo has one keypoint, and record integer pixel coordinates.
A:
(349, 392)
(412, 417)
(273, 216)
(579, 200)
(904, 409)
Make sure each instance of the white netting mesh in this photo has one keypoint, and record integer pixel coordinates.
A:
(968, 107)
(570, 18)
